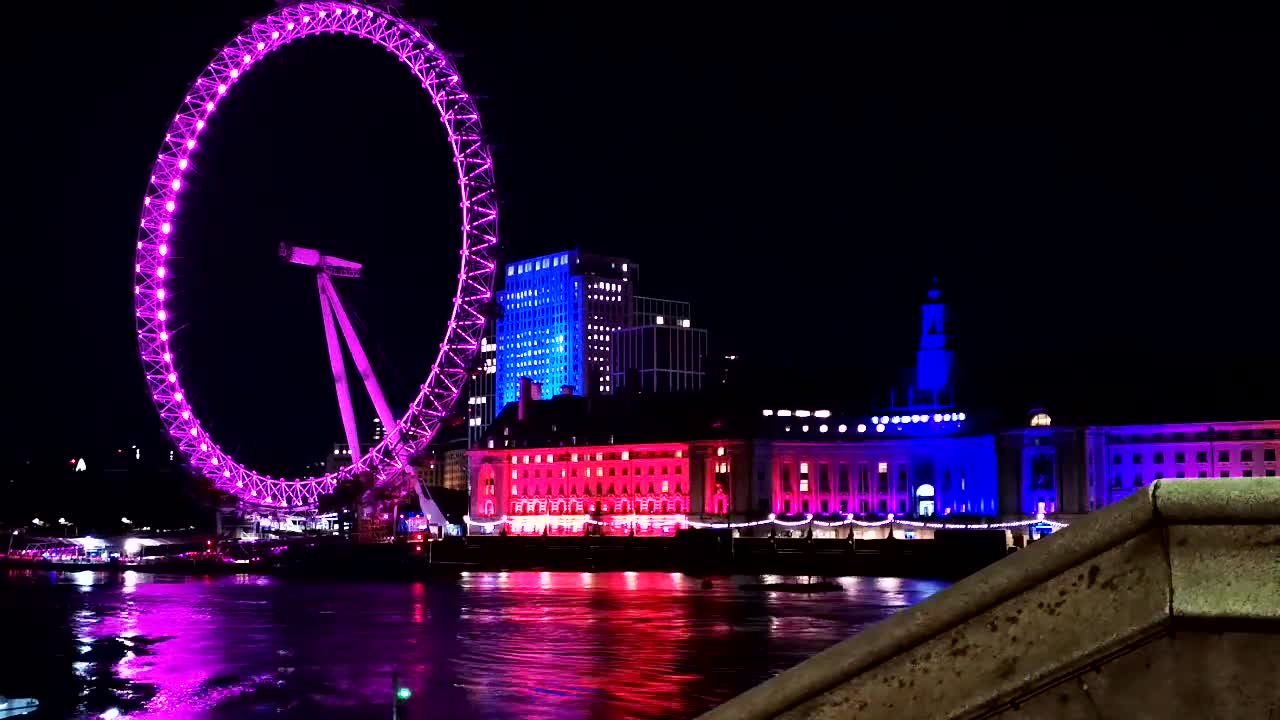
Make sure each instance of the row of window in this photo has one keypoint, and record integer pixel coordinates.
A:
(1139, 481)
(665, 487)
(824, 507)
(1202, 456)
(1200, 436)
(558, 507)
(537, 264)
(599, 472)
(598, 456)
(864, 478)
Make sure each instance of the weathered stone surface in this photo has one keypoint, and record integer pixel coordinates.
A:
(1225, 571)
(1066, 701)
(1236, 502)
(1121, 592)
(1164, 605)
(1192, 674)
(1223, 676)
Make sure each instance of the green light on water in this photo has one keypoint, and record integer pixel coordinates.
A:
(404, 693)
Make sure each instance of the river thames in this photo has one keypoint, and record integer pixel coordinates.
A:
(484, 645)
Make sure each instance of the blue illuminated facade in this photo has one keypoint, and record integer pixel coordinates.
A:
(910, 465)
(923, 458)
(558, 313)
(931, 389)
(539, 333)
(933, 360)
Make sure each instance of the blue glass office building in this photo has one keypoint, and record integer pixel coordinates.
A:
(558, 313)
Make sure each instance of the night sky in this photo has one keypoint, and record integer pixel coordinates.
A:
(1099, 197)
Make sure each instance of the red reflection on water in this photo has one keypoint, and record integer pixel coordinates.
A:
(491, 645)
(610, 647)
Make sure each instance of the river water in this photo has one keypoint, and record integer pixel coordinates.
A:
(485, 645)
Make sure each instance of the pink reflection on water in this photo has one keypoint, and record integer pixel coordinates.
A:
(419, 609)
(517, 644)
(611, 645)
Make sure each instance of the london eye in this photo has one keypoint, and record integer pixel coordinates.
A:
(159, 236)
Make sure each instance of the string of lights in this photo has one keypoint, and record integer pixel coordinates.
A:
(772, 519)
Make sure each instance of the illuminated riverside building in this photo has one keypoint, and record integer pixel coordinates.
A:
(732, 465)
(924, 458)
(558, 466)
(558, 314)
(563, 490)
(910, 465)
(649, 464)
(569, 465)
(799, 463)
(1074, 470)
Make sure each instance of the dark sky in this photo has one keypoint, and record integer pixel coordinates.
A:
(1099, 195)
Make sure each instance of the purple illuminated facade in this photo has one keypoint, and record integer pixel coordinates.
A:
(160, 230)
(1075, 470)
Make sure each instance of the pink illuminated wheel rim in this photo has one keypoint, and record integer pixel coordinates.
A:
(160, 232)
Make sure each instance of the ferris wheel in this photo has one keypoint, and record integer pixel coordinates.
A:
(159, 236)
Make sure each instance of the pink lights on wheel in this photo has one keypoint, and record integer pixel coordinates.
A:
(438, 78)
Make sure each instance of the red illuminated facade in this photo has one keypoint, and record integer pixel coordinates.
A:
(618, 489)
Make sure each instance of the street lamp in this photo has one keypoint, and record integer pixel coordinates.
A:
(126, 521)
(37, 522)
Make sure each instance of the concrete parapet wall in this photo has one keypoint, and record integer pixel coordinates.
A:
(1164, 605)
